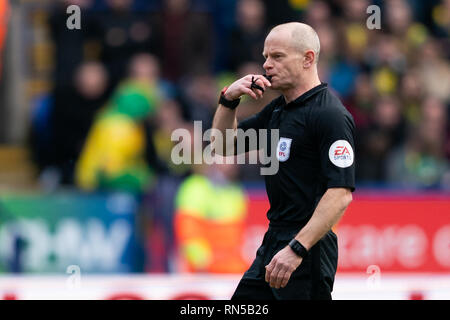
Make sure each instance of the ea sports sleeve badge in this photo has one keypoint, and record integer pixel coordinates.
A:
(341, 154)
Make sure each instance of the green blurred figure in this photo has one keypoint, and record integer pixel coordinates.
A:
(113, 156)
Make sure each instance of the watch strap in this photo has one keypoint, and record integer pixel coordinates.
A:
(298, 248)
(230, 104)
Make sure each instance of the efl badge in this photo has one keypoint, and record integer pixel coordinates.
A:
(283, 149)
(341, 154)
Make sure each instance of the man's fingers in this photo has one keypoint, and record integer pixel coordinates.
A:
(269, 269)
(263, 82)
(277, 274)
(258, 93)
(250, 92)
(262, 79)
(258, 79)
(254, 86)
(285, 279)
(266, 81)
(279, 279)
(274, 277)
(258, 86)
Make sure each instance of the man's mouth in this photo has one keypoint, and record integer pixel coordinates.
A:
(268, 77)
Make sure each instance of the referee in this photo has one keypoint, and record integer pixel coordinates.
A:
(315, 180)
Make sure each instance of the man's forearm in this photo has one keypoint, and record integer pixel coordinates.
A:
(328, 212)
(224, 119)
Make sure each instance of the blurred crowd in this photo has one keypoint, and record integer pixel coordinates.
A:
(395, 80)
(138, 70)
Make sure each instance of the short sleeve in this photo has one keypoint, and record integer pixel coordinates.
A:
(335, 129)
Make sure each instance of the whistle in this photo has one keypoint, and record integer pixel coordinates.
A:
(255, 86)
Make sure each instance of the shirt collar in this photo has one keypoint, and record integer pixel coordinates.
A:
(305, 96)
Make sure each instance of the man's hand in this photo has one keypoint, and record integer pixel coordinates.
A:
(279, 270)
(243, 86)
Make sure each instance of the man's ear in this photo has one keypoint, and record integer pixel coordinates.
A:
(308, 59)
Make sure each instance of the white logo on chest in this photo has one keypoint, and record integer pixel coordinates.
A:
(283, 149)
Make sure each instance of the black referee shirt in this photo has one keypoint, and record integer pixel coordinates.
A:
(315, 152)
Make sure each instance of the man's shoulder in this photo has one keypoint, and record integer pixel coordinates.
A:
(329, 104)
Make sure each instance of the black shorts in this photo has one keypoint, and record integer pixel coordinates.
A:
(312, 280)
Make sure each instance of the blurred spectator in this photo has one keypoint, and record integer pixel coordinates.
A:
(401, 25)
(387, 63)
(384, 132)
(350, 43)
(398, 17)
(246, 40)
(421, 162)
(168, 118)
(434, 70)
(61, 121)
(113, 157)
(185, 40)
(411, 93)
(318, 14)
(70, 45)
(209, 221)
(328, 41)
(123, 33)
(354, 10)
(329, 45)
(200, 93)
(342, 77)
(441, 18)
(145, 68)
(361, 103)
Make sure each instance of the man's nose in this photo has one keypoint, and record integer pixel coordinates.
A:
(267, 65)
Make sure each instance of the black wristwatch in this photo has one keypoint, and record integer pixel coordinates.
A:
(230, 104)
(298, 248)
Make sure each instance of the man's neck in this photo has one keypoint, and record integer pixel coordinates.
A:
(295, 92)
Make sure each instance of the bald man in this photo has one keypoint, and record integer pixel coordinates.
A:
(315, 180)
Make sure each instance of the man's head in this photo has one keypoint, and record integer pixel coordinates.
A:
(291, 51)
(144, 66)
(91, 79)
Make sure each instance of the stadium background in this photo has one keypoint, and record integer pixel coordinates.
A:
(91, 205)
